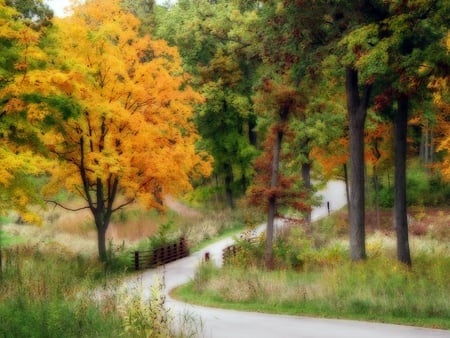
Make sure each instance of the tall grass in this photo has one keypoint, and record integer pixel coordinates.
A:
(38, 295)
(49, 292)
(379, 289)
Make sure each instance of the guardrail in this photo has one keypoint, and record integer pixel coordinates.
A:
(146, 259)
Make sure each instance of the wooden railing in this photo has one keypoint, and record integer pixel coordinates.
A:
(231, 251)
(146, 259)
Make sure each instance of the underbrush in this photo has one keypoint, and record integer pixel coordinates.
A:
(49, 292)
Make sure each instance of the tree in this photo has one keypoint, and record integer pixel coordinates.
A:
(19, 159)
(35, 13)
(422, 30)
(133, 139)
(408, 50)
(216, 43)
(272, 188)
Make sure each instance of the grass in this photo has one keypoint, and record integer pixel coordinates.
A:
(365, 291)
(315, 278)
(7, 239)
(49, 292)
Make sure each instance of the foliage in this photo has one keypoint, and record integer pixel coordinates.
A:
(145, 318)
(216, 42)
(279, 103)
(425, 188)
(293, 249)
(19, 149)
(164, 235)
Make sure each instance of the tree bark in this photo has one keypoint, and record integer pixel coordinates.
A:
(357, 112)
(272, 207)
(101, 242)
(228, 185)
(347, 188)
(306, 177)
(400, 203)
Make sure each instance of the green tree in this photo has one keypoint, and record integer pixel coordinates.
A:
(410, 40)
(216, 42)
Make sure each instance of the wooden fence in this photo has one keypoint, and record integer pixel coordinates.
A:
(230, 251)
(146, 259)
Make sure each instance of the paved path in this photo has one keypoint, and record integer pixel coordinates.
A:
(218, 323)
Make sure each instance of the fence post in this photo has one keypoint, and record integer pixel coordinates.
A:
(136, 260)
(183, 246)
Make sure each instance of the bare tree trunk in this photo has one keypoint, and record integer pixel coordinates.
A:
(400, 203)
(357, 112)
(347, 188)
(273, 185)
(228, 182)
(101, 241)
(376, 184)
(306, 177)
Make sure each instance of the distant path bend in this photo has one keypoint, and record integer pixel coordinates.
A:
(219, 323)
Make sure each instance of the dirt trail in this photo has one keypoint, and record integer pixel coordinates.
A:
(180, 208)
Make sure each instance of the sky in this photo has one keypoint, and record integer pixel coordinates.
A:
(59, 5)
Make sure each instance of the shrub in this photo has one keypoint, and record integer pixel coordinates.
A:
(423, 188)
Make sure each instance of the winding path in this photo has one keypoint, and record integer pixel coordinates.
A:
(219, 323)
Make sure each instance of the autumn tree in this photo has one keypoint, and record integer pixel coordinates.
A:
(273, 189)
(133, 138)
(19, 145)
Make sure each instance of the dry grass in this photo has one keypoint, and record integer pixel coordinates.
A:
(275, 287)
(76, 230)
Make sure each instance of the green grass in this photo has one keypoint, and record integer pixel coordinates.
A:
(377, 290)
(228, 232)
(47, 292)
(7, 239)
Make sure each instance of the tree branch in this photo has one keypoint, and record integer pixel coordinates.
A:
(64, 207)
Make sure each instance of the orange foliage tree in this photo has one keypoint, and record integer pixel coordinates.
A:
(132, 139)
(272, 188)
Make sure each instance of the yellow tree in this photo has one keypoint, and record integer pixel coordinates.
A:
(133, 138)
(19, 55)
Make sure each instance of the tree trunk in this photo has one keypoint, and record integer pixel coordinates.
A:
(347, 188)
(400, 204)
(101, 241)
(273, 185)
(252, 136)
(357, 112)
(228, 185)
(376, 184)
(306, 177)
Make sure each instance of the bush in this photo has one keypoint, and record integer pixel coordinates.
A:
(423, 188)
